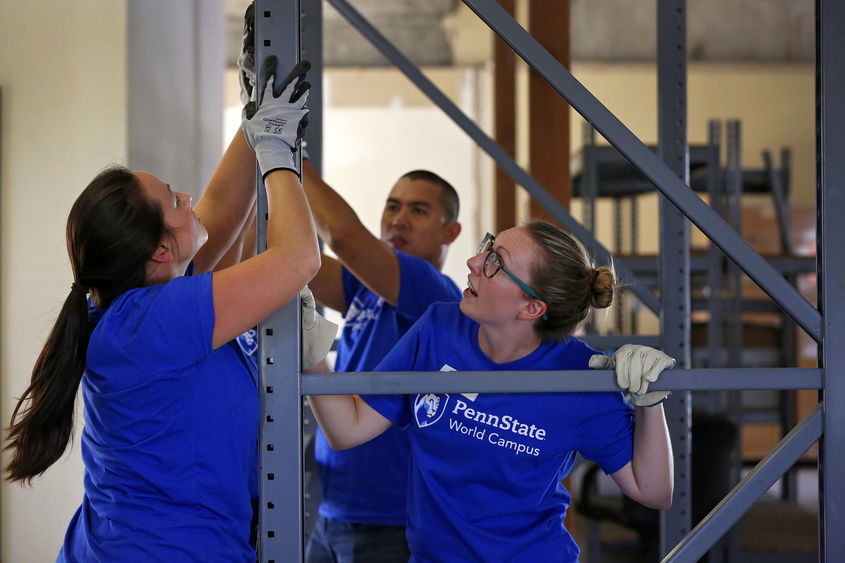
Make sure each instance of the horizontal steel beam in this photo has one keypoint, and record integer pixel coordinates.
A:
(401, 383)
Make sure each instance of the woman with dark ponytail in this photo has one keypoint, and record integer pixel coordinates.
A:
(485, 481)
(151, 328)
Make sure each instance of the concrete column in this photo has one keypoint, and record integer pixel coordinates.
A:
(175, 68)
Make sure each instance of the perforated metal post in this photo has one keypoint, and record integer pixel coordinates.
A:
(733, 193)
(280, 440)
(715, 259)
(311, 33)
(674, 254)
(830, 144)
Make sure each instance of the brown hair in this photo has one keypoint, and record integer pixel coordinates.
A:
(112, 231)
(567, 281)
(448, 196)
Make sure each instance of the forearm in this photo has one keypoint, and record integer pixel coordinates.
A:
(652, 464)
(370, 259)
(290, 226)
(225, 204)
(346, 420)
(334, 217)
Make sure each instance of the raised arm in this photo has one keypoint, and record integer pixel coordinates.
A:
(327, 285)
(225, 204)
(250, 291)
(649, 477)
(372, 260)
(347, 420)
(244, 245)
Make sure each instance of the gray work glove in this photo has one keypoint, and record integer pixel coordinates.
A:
(317, 332)
(636, 366)
(246, 60)
(275, 130)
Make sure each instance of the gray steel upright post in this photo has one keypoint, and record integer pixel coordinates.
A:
(715, 258)
(311, 33)
(830, 147)
(280, 439)
(674, 254)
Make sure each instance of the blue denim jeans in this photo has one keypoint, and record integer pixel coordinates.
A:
(333, 541)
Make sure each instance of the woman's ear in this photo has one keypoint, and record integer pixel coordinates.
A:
(533, 310)
(162, 254)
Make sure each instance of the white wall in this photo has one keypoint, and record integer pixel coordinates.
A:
(62, 75)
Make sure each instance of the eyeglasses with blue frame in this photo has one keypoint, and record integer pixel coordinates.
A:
(493, 263)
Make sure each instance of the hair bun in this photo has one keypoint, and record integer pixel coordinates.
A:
(602, 287)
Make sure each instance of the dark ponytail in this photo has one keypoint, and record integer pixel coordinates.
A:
(112, 231)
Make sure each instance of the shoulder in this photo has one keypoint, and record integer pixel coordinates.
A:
(418, 265)
(159, 305)
(165, 327)
(424, 275)
(444, 321)
(446, 311)
(574, 352)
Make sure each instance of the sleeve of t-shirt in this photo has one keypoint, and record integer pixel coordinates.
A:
(606, 431)
(403, 357)
(420, 285)
(166, 327)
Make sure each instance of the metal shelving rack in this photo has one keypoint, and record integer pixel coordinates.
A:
(282, 386)
(600, 171)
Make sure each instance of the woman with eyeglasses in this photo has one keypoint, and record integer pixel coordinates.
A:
(487, 468)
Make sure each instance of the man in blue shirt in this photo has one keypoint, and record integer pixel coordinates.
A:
(382, 286)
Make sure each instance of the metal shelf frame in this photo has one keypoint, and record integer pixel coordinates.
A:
(282, 386)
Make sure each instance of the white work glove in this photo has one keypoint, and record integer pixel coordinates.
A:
(246, 60)
(636, 366)
(274, 132)
(317, 332)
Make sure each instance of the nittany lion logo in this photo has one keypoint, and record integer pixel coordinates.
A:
(428, 408)
(248, 342)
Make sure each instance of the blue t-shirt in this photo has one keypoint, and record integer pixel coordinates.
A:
(487, 468)
(368, 484)
(170, 442)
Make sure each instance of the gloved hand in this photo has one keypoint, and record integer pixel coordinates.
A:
(246, 60)
(636, 366)
(317, 332)
(274, 132)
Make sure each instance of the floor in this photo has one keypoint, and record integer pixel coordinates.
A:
(771, 531)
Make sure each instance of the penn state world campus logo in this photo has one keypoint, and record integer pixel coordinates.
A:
(429, 407)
